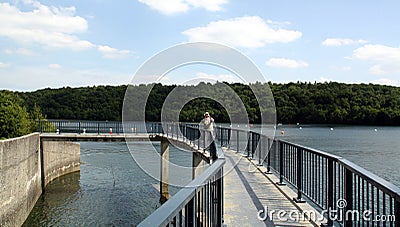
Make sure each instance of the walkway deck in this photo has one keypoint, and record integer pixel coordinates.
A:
(247, 190)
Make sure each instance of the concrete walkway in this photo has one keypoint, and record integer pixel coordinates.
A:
(248, 192)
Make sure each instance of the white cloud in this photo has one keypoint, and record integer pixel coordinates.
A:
(15, 78)
(385, 81)
(48, 26)
(20, 51)
(385, 59)
(342, 42)
(112, 53)
(286, 63)
(217, 77)
(170, 7)
(54, 66)
(247, 32)
(4, 65)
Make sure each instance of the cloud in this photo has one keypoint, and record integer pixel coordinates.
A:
(14, 78)
(286, 63)
(54, 66)
(342, 42)
(47, 26)
(4, 65)
(112, 53)
(20, 51)
(247, 32)
(170, 7)
(385, 59)
(385, 81)
(55, 27)
(217, 77)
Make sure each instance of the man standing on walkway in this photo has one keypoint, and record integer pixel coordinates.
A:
(207, 127)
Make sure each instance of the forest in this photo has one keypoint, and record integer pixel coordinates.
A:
(305, 103)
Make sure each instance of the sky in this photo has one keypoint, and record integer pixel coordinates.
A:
(98, 42)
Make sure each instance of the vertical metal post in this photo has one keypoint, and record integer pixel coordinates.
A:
(237, 141)
(222, 136)
(330, 191)
(229, 138)
(348, 195)
(260, 163)
(269, 156)
(220, 198)
(189, 212)
(281, 162)
(98, 128)
(79, 127)
(397, 212)
(299, 175)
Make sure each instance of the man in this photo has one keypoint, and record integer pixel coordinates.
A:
(207, 126)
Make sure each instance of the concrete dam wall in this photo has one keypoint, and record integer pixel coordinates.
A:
(27, 165)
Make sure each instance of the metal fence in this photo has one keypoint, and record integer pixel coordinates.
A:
(355, 196)
(200, 203)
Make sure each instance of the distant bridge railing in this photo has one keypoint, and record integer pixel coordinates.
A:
(329, 181)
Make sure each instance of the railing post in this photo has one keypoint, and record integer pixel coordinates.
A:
(397, 211)
(248, 145)
(221, 136)
(228, 143)
(79, 127)
(330, 192)
(269, 156)
(260, 163)
(299, 175)
(281, 162)
(220, 198)
(237, 141)
(189, 212)
(348, 196)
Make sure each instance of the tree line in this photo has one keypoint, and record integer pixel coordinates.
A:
(305, 103)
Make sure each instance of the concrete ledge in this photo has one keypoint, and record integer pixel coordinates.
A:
(60, 158)
(21, 176)
(20, 183)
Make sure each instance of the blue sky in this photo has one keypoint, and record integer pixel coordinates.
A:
(98, 42)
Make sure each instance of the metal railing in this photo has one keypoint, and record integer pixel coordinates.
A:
(355, 196)
(200, 203)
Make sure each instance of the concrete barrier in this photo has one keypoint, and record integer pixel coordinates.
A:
(59, 158)
(21, 175)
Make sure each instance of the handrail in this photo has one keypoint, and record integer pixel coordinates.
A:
(324, 178)
(186, 207)
(165, 214)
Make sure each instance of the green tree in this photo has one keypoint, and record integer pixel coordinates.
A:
(14, 119)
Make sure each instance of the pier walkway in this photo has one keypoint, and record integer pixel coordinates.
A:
(248, 190)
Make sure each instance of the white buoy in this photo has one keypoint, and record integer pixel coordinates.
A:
(301, 128)
(375, 130)
(331, 129)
